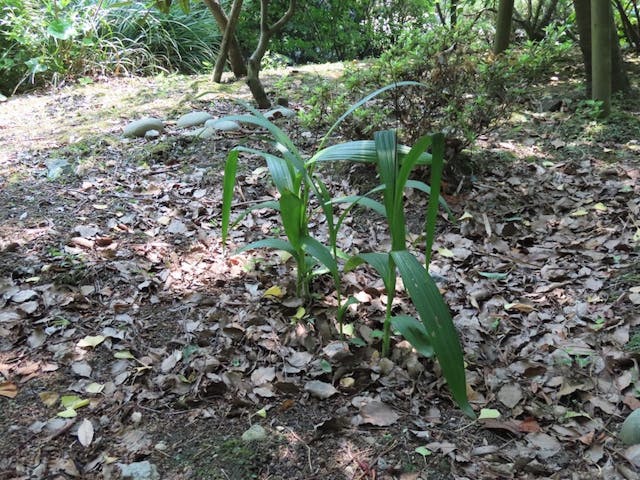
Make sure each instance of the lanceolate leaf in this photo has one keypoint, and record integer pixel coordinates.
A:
(437, 165)
(292, 212)
(321, 253)
(380, 263)
(227, 190)
(361, 151)
(415, 332)
(435, 315)
(364, 201)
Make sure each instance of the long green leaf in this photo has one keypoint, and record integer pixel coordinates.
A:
(361, 151)
(292, 213)
(364, 201)
(321, 253)
(275, 243)
(380, 263)
(408, 162)
(273, 204)
(388, 166)
(423, 187)
(258, 119)
(280, 174)
(230, 169)
(415, 333)
(437, 165)
(364, 100)
(435, 315)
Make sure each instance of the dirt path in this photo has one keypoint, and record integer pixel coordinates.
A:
(128, 336)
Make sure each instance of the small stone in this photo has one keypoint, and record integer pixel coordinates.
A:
(630, 430)
(255, 433)
(320, 389)
(139, 471)
(221, 124)
(140, 127)
(203, 132)
(3, 98)
(150, 134)
(193, 119)
(280, 112)
(136, 417)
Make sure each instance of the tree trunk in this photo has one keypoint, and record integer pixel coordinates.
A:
(503, 26)
(253, 64)
(229, 33)
(601, 53)
(619, 79)
(236, 59)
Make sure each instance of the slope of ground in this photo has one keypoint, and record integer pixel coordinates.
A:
(127, 334)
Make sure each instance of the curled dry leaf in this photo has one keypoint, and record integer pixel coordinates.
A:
(8, 389)
(378, 413)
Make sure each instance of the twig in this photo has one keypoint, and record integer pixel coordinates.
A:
(306, 445)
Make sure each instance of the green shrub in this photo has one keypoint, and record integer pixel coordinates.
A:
(45, 41)
(467, 88)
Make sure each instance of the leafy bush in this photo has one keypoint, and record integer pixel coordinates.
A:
(47, 40)
(335, 30)
(467, 88)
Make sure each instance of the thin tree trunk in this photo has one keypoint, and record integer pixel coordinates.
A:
(601, 53)
(253, 64)
(229, 33)
(619, 79)
(503, 26)
(236, 59)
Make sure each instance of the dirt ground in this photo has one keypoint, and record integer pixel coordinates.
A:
(127, 334)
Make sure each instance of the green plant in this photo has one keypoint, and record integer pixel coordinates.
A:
(295, 182)
(435, 333)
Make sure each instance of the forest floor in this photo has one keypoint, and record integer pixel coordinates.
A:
(129, 339)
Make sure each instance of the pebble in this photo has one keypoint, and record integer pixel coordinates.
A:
(193, 119)
(255, 432)
(221, 124)
(139, 471)
(139, 128)
(280, 112)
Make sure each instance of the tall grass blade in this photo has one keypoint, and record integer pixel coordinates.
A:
(360, 151)
(275, 243)
(437, 165)
(228, 182)
(292, 213)
(434, 313)
(321, 253)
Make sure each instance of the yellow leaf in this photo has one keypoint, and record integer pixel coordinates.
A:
(579, 213)
(445, 252)
(124, 354)
(8, 389)
(49, 398)
(91, 341)
(488, 413)
(68, 413)
(519, 307)
(300, 313)
(94, 388)
(274, 292)
(601, 207)
(262, 413)
(466, 216)
(73, 402)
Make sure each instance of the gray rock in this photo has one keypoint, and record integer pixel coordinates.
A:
(255, 433)
(203, 132)
(630, 430)
(193, 119)
(140, 127)
(151, 134)
(221, 124)
(280, 112)
(139, 471)
(57, 167)
(3, 98)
